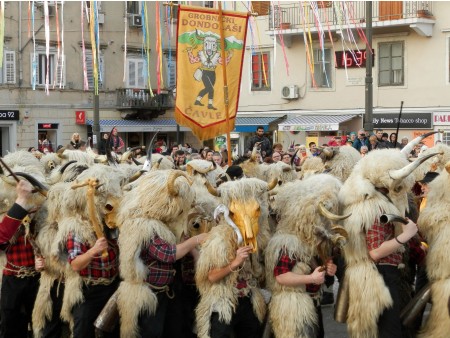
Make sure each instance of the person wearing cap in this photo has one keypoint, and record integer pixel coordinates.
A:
(429, 177)
(232, 173)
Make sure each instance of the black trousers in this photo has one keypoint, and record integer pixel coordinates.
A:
(85, 313)
(244, 323)
(53, 327)
(389, 323)
(154, 325)
(16, 305)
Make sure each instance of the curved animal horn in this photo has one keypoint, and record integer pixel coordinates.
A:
(213, 191)
(42, 189)
(387, 218)
(411, 144)
(64, 167)
(60, 153)
(405, 171)
(337, 229)
(328, 214)
(156, 166)
(126, 155)
(201, 38)
(272, 184)
(173, 191)
(8, 180)
(135, 176)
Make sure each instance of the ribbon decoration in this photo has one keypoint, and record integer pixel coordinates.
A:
(2, 29)
(93, 46)
(58, 49)
(146, 46)
(83, 48)
(125, 43)
(34, 62)
(47, 46)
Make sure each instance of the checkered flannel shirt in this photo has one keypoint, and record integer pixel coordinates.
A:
(159, 257)
(99, 267)
(379, 233)
(285, 264)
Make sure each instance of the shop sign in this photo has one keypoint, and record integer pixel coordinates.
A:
(47, 125)
(9, 115)
(407, 121)
(440, 119)
(80, 117)
(310, 127)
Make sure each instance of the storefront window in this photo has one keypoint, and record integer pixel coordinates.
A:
(446, 138)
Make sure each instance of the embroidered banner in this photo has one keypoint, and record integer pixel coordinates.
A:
(200, 102)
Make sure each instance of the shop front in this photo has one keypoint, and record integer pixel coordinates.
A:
(320, 129)
(441, 122)
(8, 130)
(411, 125)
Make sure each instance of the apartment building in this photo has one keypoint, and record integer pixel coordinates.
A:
(29, 114)
(411, 52)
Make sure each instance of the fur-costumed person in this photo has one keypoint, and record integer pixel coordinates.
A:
(292, 273)
(229, 268)
(151, 213)
(20, 279)
(90, 248)
(434, 225)
(378, 185)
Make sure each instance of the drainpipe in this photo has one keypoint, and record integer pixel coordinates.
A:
(20, 45)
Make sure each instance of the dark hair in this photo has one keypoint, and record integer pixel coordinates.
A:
(29, 149)
(259, 127)
(180, 152)
(385, 135)
(310, 144)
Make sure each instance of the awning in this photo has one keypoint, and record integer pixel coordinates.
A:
(127, 126)
(314, 122)
(245, 124)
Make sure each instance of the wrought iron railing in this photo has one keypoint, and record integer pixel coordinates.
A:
(141, 99)
(336, 13)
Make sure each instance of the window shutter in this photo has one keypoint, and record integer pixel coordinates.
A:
(34, 77)
(90, 71)
(60, 80)
(9, 67)
(261, 7)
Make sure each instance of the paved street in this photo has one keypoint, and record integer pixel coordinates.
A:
(333, 329)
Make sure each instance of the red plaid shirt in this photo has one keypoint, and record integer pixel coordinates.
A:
(159, 257)
(19, 255)
(285, 264)
(99, 267)
(378, 234)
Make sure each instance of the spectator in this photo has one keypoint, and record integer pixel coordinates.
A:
(276, 157)
(173, 150)
(217, 158)
(335, 141)
(75, 142)
(286, 158)
(264, 143)
(301, 155)
(116, 142)
(209, 155)
(313, 149)
(404, 142)
(393, 141)
(373, 142)
(103, 143)
(362, 140)
(278, 147)
(224, 154)
(188, 148)
(180, 158)
(352, 137)
(349, 143)
(382, 139)
(364, 150)
(31, 149)
(259, 159)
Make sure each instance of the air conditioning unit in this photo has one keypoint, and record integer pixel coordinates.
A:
(135, 20)
(290, 92)
(101, 18)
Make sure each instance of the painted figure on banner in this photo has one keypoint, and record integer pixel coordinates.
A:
(210, 58)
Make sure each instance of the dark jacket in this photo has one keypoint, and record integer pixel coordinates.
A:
(358, 143)
(265, 145)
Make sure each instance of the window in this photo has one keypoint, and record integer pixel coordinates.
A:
(390, 63)
(133, 7)
(56, 69)
(446, 138)
(136, 73)
(171, 62)
(208, 4)
(8, 69)
(261, 71)
(90, 70)
(261, 7)
(323, 77)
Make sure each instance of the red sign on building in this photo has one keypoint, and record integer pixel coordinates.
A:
(80, 117)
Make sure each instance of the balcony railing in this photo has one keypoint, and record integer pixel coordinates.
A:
(140, 99)
(291, 16)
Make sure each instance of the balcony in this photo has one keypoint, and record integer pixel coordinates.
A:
(141, 101)
(387, 17)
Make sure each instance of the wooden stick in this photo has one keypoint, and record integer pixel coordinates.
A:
(9, 170)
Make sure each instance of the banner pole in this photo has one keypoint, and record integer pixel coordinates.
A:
(225, 82)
